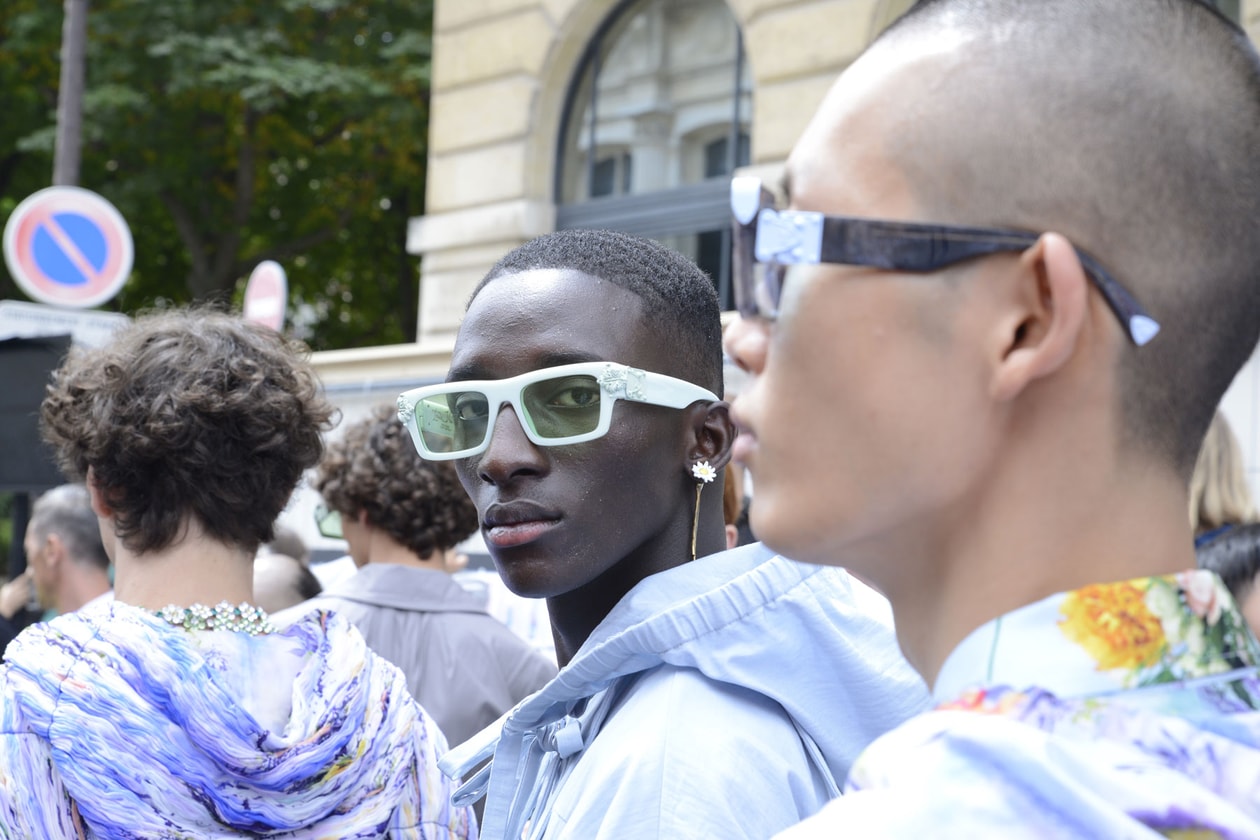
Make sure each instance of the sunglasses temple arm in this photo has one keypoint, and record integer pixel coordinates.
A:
(1139, 325)
(912, 248)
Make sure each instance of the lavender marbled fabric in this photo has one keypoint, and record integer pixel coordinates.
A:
(115, 724)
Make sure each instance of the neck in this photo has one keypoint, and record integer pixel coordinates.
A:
(196, 569)
(576, 614)
(80, 587)
(1032, 541)
(385, 550)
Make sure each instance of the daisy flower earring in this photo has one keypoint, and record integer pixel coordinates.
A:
(703, 471)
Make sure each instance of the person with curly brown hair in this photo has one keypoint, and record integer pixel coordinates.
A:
(178, 709)
(402, 518)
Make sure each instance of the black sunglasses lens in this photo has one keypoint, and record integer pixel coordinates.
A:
(744, 270)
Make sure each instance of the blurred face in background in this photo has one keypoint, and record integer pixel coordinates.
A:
(43, 575)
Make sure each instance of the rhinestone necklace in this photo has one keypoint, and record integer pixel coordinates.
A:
(245, 618)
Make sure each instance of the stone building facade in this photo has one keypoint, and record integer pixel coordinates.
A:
(618, 113)
(505, 70)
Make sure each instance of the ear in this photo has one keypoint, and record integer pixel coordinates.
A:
(54, 551)
(710, 434)
(100, 506)
(1050, 311)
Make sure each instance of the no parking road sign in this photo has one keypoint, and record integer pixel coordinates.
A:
(69, 247)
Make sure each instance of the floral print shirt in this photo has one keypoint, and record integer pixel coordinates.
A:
(1119, 710)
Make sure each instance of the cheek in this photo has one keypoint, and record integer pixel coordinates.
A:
(482, 493)
(860, 432)
(627, 486)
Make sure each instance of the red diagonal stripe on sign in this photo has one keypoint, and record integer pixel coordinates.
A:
(66, 244)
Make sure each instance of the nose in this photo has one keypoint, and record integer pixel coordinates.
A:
(510, 453)
(747, 341)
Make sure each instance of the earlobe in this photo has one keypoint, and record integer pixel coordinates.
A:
(713, 433)
(1054, 304)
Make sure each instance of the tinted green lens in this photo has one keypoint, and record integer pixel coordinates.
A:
(452, 421)
(328, 522)
(562, 407)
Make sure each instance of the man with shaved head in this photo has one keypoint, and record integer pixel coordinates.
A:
(1018, 271)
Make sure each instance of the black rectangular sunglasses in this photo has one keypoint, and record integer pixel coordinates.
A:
(767, 240)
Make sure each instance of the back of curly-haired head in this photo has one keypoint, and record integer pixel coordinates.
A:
(190, 415)
(680, 304)
(374, 469)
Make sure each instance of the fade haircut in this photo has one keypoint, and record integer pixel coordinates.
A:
(680, 305)
(1131, 127)
(1235, 556)
(67, 512)
(375, 468)
(188, 415)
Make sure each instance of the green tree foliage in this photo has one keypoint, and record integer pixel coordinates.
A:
(233, 131)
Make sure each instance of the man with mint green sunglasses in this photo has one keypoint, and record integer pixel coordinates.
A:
(558, 405)
(582, 415)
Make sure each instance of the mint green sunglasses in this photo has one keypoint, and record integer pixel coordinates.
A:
(557, 406)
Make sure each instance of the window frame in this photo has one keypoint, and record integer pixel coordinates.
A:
(690, 209)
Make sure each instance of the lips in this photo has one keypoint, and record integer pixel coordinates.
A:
(511, 524)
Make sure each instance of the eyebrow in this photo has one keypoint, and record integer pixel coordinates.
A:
(476, 370)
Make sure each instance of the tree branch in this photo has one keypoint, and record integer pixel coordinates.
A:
(331, 134)
(243, 199)
(295, 247)
(190, 236)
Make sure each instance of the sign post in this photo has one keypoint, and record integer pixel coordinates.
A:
(68, 246)
(266, 295)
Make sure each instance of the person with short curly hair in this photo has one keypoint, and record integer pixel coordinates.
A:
(402, 518)
(374, 473)
(178, 707)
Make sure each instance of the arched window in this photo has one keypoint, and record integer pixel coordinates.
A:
(657, 118)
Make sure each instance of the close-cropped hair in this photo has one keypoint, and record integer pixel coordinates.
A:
(67, 512)
(1219, 493)
(374, 468)
(680, 305)
(1136, 124)
(1235, 556)
(188, 415)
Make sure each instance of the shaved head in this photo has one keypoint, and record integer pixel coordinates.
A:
(1130, 126)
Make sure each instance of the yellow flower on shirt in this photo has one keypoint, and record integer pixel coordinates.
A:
(1114, 624)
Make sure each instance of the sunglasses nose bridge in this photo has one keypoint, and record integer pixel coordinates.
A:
(509, 450)
(507, 412)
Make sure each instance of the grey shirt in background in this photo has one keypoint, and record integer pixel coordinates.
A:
(463, 666)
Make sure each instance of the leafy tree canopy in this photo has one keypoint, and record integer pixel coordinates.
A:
(234, 131)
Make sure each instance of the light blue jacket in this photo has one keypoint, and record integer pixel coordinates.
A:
(724, 698)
